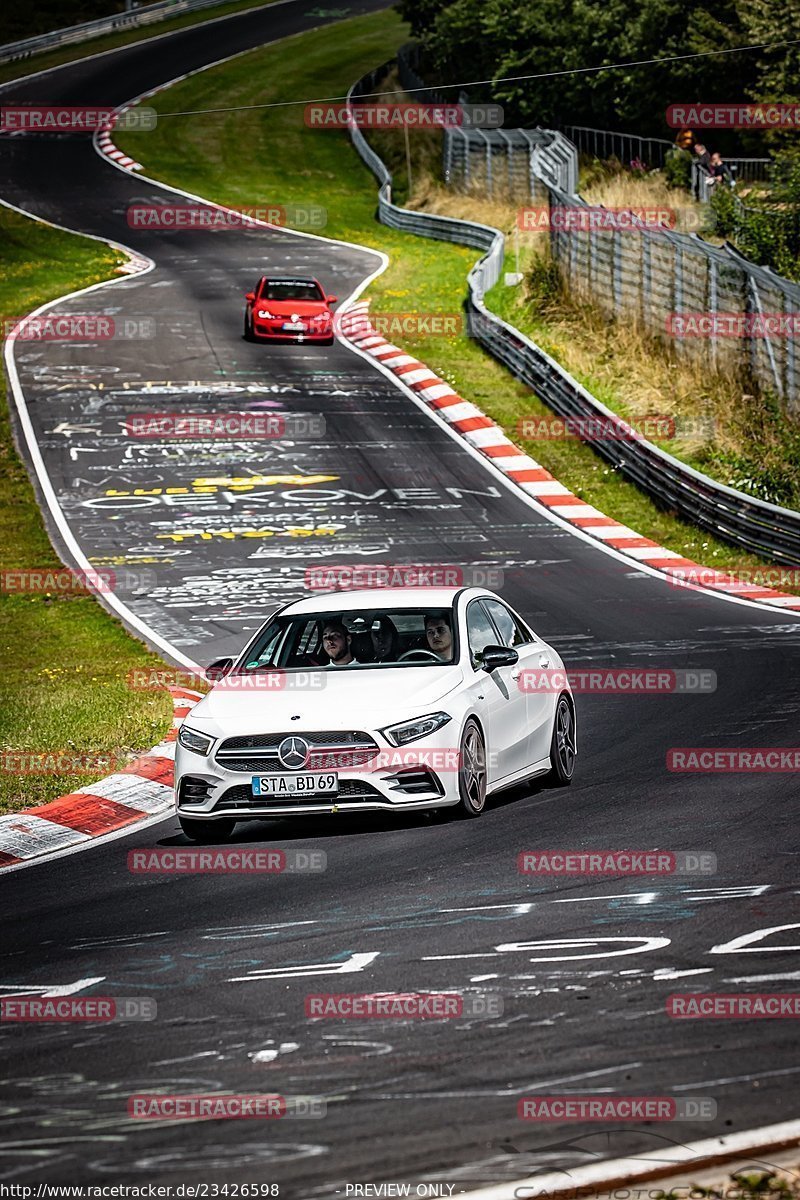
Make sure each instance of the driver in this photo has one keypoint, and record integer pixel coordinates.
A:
(336, 644)
(439, 635)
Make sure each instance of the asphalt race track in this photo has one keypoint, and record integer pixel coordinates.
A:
(416, 904)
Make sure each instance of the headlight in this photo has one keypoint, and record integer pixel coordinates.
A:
(264, 312)
(412, 731)
(201, 743)
(322, 318)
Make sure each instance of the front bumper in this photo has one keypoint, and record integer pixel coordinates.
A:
(273, 332)
(206, 790)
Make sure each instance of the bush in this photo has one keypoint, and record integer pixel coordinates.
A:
(724, 206)
(678, 168)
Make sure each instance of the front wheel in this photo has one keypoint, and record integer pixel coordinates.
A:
(206, 832)
(472, 771)
(248, 334)
(563, 745)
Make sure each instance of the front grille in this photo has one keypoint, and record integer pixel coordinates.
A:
(325, 737)
(333, 750)
(241, 797)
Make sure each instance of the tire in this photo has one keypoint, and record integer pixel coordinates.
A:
(471, 771)
(563, 745)
(248, 334)
(206, 832)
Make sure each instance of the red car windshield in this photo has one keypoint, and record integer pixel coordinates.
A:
(291, 289)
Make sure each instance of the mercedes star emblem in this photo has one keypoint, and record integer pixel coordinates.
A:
(293, 753)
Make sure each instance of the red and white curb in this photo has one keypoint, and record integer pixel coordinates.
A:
(142, 789)
(489, 440)
(103, 140)
(107, 147)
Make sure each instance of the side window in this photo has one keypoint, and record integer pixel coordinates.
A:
(512, 631)
(480, 633)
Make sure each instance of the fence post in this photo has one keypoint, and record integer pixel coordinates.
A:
(791, 379)
(677, 290)
(616, 268)
(647, 269)
(752, 288)
(712, 304)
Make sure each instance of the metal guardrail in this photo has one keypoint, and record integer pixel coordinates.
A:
(743, 170)
(743, 520)
(626, 147)
(146, 15)
(652, 152)
(510, 158)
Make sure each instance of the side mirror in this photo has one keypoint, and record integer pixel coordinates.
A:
(498, 656)
(250, 297)
(219, 668)
(332, 299)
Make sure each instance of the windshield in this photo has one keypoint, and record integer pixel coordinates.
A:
(364, 638)
(291, 289)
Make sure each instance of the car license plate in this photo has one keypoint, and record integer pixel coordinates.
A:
(294, 326)
(296, 785)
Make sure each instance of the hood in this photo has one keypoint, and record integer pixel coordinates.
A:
(349, 699)
(285, 308)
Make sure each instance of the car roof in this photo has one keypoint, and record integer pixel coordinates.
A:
(281, 277)
(381, 598)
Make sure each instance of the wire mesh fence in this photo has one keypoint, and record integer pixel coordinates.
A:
(742, 315)
(661, 274)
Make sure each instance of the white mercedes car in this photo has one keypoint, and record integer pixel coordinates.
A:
(380, 700)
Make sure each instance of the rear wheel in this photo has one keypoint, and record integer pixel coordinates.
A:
(563, 745)
(472, 771)
(206, 832)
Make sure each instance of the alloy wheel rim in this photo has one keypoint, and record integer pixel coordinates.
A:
(473, 770)
(565, 738)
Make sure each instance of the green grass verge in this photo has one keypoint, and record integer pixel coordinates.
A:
(63, 659)
(111, 41)
(288, 162)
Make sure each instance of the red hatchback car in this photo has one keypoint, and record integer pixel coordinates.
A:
(289, 308)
